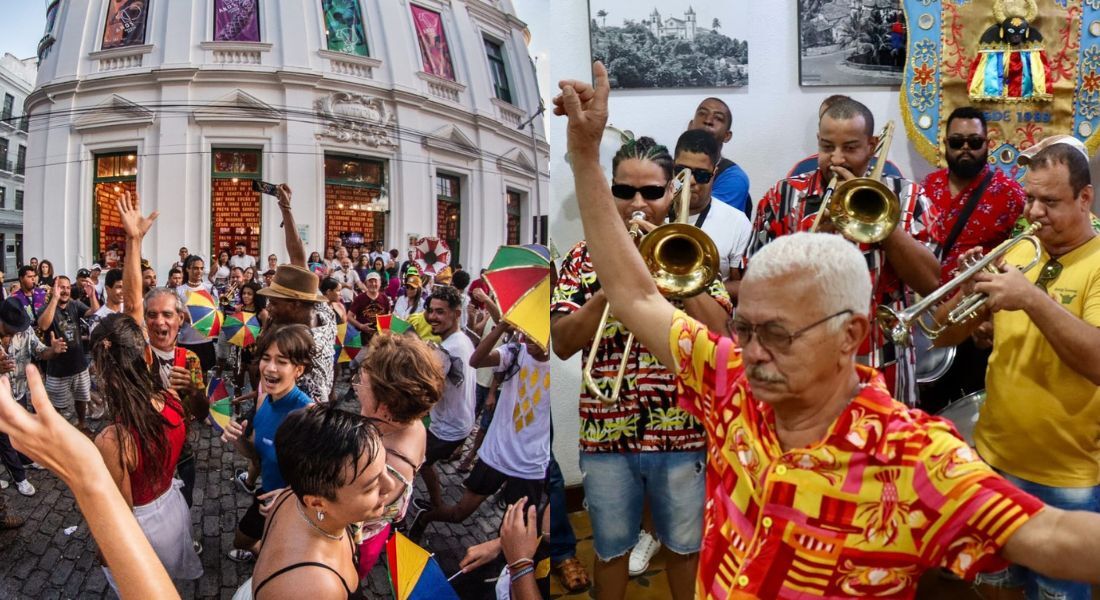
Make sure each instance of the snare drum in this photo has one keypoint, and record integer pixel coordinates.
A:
(932, 363)
(964, 414)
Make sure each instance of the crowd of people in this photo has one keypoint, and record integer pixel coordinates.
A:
(107, 386)
(765, 432)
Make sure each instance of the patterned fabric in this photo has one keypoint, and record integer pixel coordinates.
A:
(791, 206)
(317, 382)
(23, 348)
(991, 222)
(889, 493)
(647, 417)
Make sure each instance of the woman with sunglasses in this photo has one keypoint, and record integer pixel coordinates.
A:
(664, 438)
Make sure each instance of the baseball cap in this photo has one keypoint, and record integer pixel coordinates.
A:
(96, 267)
(373, 275)
(1025, 156)
(14, 316)
(84, 273)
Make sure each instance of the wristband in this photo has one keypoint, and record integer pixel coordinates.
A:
(520, 563)
(523, 573)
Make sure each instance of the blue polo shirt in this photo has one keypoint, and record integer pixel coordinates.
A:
(271, 415)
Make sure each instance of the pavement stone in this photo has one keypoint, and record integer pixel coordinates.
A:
(38, 560)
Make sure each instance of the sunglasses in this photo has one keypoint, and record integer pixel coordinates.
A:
(627, 192)
(956, 142)
(699, 175)
(1050, 272)
(772, 335)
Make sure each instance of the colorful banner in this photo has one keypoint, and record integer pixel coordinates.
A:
(344, 27)
(433, 43)
(125, 24)
(1032, 67)
(236, 21)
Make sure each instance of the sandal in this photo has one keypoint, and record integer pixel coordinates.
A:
(11, 522)
(572, 574)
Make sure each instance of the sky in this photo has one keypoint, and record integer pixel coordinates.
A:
(21, 26)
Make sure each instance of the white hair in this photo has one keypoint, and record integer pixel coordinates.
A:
(838, 268)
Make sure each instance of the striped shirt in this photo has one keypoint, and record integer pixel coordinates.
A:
(647, 417)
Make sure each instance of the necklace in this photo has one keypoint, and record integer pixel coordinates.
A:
(298, 503)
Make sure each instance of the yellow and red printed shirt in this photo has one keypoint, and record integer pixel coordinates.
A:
(889, 493)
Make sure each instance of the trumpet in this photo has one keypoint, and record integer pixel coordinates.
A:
(682, 260)
(863, 209)
(897, 324)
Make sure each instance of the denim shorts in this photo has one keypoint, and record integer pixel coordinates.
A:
(1040, 587)
(616, 486)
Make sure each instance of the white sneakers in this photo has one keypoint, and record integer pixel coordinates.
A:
(25, 488)
(640, 556)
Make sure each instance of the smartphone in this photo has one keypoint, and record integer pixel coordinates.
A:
(265, 188)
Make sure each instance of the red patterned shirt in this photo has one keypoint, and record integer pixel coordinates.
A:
(792, 205)
(889, 493)
(647, 416)
(991, 222)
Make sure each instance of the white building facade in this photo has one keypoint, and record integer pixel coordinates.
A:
(16, 82)
(387, 118)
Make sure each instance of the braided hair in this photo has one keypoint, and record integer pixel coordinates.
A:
(644, 148)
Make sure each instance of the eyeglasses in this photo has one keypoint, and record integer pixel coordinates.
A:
(627, 192)
(1049, 273)
(699, 175)
(772, 335)
(956, 142)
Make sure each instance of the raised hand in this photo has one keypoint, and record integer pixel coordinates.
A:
(129, 207)
(284, 196)
(586, 107)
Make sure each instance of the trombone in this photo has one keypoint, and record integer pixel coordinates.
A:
(682, 260)
(897, 324)
(863, 209)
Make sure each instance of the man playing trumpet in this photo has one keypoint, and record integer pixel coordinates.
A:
(1040, 424)
(640, 445)
(846, 144)
(818, 483)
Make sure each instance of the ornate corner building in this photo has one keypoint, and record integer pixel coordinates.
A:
(388, 119)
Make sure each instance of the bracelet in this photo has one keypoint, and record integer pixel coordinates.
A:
(523, 573)
(520, 563)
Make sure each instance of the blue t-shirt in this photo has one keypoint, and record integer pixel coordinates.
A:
(271, 415)
(732, 187)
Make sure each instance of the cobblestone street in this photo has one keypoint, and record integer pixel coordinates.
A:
(39, 561)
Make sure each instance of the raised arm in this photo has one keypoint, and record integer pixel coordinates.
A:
(294, 246)
(484, 355)
(629, 287)
(136, 226)
(45, 320)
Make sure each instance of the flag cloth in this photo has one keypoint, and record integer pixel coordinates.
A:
(205, 316)
(392, 323)
(519, 277)
(221, 405)
(415, 573)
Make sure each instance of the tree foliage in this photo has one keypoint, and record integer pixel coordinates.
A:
(638, 59)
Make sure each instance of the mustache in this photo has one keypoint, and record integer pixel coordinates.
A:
(759, 373)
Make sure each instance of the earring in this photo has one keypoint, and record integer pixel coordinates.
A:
(320, 515)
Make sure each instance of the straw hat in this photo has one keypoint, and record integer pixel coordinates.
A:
(292, 282)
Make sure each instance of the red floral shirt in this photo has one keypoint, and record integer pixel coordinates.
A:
(889, 493)
(991, 222)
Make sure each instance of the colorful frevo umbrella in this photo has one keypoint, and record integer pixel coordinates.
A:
(348, 343)
(519, 277)
(221, 405)
(432, 255)
(205, 316)
(241, 328)
(414, 572)
(392, 323)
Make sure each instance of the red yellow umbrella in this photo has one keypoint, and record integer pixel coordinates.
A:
(519, 277)
(432, 255)
(241, 328)
(348, 343)
(205, 316)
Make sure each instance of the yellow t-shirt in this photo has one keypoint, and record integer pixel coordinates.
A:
(1041, 419)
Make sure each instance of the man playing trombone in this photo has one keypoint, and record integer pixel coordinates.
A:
(637, 444)
(1040, 424)
(846, 146)
(818, 483)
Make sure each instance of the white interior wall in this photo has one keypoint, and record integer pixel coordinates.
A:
(774, 122)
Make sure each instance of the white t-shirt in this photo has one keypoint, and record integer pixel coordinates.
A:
(730, 229)
(403, 306)
(188, 335)
(243, 262)
(99, 315)
(518, 441)
(453, 416)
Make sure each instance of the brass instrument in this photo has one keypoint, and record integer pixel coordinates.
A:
(863, 209)
(896, 325)
(683, 262)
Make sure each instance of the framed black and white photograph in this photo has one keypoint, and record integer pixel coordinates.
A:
(851, 42)
(671, 44)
